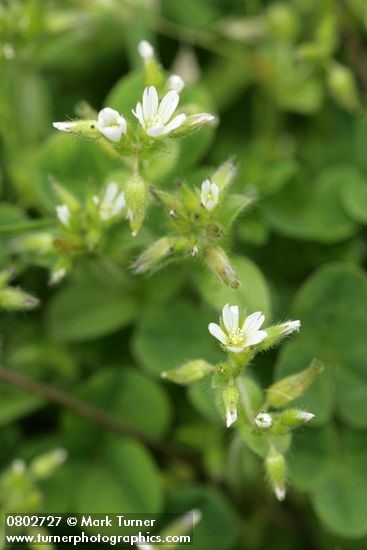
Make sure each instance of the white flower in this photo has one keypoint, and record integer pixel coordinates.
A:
(264, 421)
(291, 326)
(209, 195)
(156, 117)
(231, 415)
(145, 49)
(111, 124)
(64, 214)
(175, 82)
(112, 203)
(234, 337)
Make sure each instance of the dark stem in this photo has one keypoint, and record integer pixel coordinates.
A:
(85, 410)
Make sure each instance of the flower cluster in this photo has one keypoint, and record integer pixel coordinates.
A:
(237, 395)
(197, 221)
(136, 139)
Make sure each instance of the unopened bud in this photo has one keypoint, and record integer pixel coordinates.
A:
(218, 262)
(85, 128)
(152, 69)
(276, 333)
(294, 417)
(276, 470)
(15, 299)
(192, 371)
(193, 123)
(230, 396)
(343, 86)
(169, 201)
(145, 49)
(175, 82)
(224, 174)
(281, 393)
(264, 421)
(65, 196)
(44, 465)
(136, 200)
(155, 254)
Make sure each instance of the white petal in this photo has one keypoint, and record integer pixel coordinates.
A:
(138, 113)
(168, 106)
(119, 204)
(217, 332)
(64, 126)
(253, 322)
(205, 187)
(156, 131)
(111, 192)
(108, 116)
(230, 317)
(231, 416)
(175, 123)
(235, 349)
(112, 132)
(279, 492)
(256, 337)
(150, 103)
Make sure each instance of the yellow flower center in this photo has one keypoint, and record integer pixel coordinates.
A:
(236, 337)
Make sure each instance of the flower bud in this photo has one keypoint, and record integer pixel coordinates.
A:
(281, 393)
(156, 253)
(15, 299)
(193, 123)
(189, 372)
(276, 469)
(264, 421)
(44, 465)
(276, 333)
(152, 69)
(217, 261)
(343, 86)
(169, 201)
(224, 174)
(136, 200)
(175, 82)
(294, 417)
(230, 396)
(65, 196)
(85, 128)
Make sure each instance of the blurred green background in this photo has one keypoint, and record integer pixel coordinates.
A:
(289, 83)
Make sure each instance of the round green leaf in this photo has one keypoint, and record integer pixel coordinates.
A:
(332, 309)
(123, 393)
(166, 338)
(312, 211)
(89, 308)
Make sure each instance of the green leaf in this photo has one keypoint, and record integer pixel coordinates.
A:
(354, 196)
(89, 308)
(312, 211)
(126, 394)
(166, 338)
(340, 502)
(252, 295)
(331, 307)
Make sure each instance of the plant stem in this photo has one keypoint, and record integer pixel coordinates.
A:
(90, 412)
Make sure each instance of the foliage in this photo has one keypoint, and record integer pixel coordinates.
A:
(99, 314)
